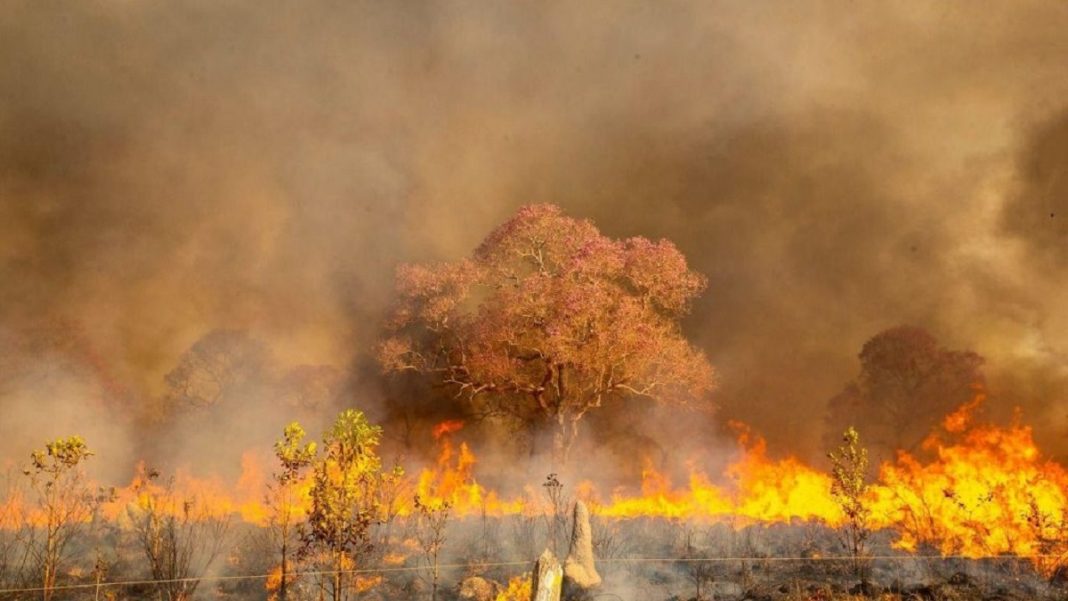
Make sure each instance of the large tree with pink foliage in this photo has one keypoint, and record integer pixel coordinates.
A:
(550, 319)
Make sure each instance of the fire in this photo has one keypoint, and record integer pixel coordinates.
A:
(366, 583)
(447, 427)
(452, 480)
(519, 589)
(979, 490)
(988, 491)
(760, 489)
(274, 581)
(212, 497)
(394, 559)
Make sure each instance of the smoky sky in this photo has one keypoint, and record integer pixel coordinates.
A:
(834, 168)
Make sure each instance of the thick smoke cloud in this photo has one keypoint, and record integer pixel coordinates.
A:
(835, 169)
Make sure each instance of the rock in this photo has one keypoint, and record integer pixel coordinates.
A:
(477, 588)
(548, 578)
(579, 569)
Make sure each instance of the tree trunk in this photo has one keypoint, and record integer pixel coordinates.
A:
(563, 439)
(50, 562)
(338, 565)
(282, 582)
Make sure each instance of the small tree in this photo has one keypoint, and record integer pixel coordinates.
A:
(345, 496)
(849, 483)
(13, 532)
(283, 498)
(695, 565)
(180, 538)
(432, 518)
(391, 489)
(64, 504)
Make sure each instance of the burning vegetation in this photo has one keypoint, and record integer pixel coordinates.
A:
(551, 320)
(334, 520)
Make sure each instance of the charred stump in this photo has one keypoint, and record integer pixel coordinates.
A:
(548, 578)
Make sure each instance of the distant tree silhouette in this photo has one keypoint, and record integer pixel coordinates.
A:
(219, 364)
(907, 384)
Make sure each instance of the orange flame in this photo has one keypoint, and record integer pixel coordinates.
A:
(452, 480)
(447, 427)
(988, 492)
(983, 490)
(760, 490)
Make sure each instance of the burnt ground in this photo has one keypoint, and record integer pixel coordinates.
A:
(675, 560)
(639, 560)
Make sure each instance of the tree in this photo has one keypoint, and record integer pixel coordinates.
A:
(432, 516)
(695, 562)
(907, 383)
(64, 504)
(348, 482)
(848, 486)
(550, 319)
(179, 537)
(219, 364)
(294, 457)
(311, 388)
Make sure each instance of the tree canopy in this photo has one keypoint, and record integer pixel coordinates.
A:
(907, 383)
(550, 319)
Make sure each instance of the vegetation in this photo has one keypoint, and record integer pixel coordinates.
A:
(283, 499)
(907, 383)
(219, 365)
(346, 497)
(550, 320)
(432, 518)
(849, 482)
(64, 504)
(555, 513)
(180, 537)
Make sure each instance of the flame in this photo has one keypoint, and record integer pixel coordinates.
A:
(759, 489)
(988, 491)
(447, 427)
(978, 490)
(394, 559)
(519, 589)
(212, 496)
(366, 583)
(274, 581)
(451, 480)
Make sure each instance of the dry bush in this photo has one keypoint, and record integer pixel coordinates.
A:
(180, 537)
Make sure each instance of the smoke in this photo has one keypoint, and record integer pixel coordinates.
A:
(169, 169)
